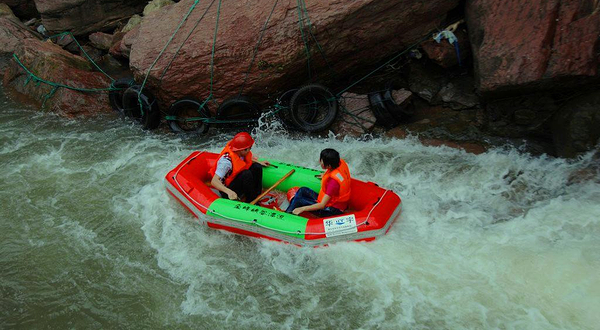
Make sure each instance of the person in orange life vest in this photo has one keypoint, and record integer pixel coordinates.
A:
(335, 189)
(237, 173)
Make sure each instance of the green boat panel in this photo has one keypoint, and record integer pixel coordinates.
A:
(302, 177)
(285, 223)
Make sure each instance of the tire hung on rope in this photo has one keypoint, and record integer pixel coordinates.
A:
(400, 111)
(185, 116)
(382, 114)
(284, 112)
(313, 108)
(148, 114)
(240, 110)
(115, 97)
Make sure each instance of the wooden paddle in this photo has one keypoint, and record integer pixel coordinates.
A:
(272, 187)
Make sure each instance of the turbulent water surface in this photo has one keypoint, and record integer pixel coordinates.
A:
(90, 239)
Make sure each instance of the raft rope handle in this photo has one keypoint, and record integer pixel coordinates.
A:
(255, 221)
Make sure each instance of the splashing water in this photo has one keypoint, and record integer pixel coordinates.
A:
(91, 239)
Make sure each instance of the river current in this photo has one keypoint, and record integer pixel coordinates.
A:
(90, 239)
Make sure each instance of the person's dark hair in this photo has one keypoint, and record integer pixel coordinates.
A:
(330, 157)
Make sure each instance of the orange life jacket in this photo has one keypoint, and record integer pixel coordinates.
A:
(342, 176)
(239, 164)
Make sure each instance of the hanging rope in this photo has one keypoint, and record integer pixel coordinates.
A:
(262, 32)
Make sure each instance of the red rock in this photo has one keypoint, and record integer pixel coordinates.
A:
(84, 16)
(12, 31)
(533, 43)
(50, 62)
(352, 34)
(101, 40)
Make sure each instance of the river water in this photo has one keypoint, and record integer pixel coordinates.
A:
(90, 239)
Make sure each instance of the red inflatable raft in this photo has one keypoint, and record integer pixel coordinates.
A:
(372, 209)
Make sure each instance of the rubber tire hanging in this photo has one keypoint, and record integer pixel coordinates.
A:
(115, 97)
(310, 119)
(186, 108)
(239, 108)
(400, 111)
(150, 117)
(383, 116)
(284, 112)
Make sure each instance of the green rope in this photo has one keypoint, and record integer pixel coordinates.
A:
(61, 35)
(185, 40)
(315, 38)
(301, 26)
(212, 56)
(262, 32)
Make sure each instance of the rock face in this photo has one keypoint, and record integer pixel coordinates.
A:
(84, 16)
(575, 127)
(49, 61)
(533, 43)
(22, 8)
(351, 34)
(12, 32)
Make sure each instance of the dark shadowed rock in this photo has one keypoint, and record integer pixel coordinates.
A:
(84, 16)
(352, 34)
(12, 31)
(24, 9)
(533, 43)
(50, 62)
(101, 40)
(576, 126)
(445, 54)
(356, 117)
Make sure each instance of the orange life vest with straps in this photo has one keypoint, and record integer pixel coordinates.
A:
(239, 164)
(342, 176)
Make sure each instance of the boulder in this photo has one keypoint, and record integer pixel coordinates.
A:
(356, 117)
(155, 5)
(533, 44)
(575, 126)
(133, 21)
(122, 48)
(52, 63)
(101, 40)
(85, 16)
(12, 32)
(352, 35)
(22, 8)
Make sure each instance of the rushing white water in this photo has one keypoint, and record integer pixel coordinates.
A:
(89, 238)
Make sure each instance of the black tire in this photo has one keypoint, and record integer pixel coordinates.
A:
(399, 111)
(239, 108)
(284, 113)
(182, 110)
(313, 108)
(148, 114)
(115, 97)
(383, 116)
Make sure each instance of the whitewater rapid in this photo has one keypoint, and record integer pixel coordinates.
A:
(91, 239)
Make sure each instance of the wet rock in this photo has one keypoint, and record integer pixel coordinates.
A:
(426, 82)
(122, 48)
(372, 26)
(533, 44)
(12, 32)
(50, 62)
(522, 116)
(459, 93)
(101, 40)
(356, 117)
(576, 126)
(444, 54)
(67, 42)
(85, 16)
(22, 8)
